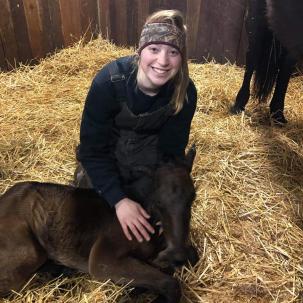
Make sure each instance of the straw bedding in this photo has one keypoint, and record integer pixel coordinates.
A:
(247, 217)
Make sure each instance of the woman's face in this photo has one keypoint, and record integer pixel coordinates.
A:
(158, 63)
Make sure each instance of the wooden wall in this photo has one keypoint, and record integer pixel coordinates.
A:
(30, 29)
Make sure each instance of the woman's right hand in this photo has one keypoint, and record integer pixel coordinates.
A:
(133, 217)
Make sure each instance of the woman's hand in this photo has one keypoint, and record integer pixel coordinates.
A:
(133, 217)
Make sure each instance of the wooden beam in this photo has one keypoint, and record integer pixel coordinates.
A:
(55, 23)
(132, 20)
(143, 12)
(104, 18)
(71, 21)
(20, 29)
(119, 21)
(34, 26)
(89, 19)
(192, 21)
(8, 46)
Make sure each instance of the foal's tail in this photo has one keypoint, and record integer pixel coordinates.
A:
(267, 66)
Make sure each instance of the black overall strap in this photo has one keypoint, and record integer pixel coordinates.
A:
(119, 81)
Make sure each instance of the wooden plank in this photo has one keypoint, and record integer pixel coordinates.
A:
(192, 21)
(207, 31)
(119, 21)
(20, 29)
(218, 32)
(47, 41)
(173, 4)
(143, 12)
(231, 25)
(156, 5)
(34, 26)
(132, 23)
(89, 19)
(104, 18)
(243, 41)
(3, 65)
(8, 47)
(55, 23)
(71, 21)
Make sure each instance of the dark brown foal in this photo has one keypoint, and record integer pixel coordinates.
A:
(76, 228)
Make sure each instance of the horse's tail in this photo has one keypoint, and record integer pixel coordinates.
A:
(267, 67)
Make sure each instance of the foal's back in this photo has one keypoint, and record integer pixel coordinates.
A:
(65, 220)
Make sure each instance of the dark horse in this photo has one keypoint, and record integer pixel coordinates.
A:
(275, 43)
(76, 228)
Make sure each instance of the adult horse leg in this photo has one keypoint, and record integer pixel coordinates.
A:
(277, 102)
(20, 254)
(255, 26)
(104, 264)
(244, 92)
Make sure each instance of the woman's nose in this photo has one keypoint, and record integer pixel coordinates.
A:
(163, 58)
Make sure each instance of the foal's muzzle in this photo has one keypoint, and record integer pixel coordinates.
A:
(171, 258)
(179, 259)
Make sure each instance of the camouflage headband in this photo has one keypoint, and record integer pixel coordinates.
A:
(161, 33)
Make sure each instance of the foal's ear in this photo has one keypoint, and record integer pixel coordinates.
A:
(190, 157)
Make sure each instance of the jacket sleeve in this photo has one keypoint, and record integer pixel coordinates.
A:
(174, 135)
(96, 136)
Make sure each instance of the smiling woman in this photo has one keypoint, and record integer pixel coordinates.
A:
(158, 64)
(138, 112)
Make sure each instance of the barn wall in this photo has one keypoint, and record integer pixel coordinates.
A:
(30, 29)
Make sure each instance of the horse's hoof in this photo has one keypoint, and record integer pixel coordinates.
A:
(278, 119)
(235, 110)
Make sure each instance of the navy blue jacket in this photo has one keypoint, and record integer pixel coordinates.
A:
(99, 112)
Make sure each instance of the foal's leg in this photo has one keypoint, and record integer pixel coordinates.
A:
(20, 254)
(277, 102)
(103, 264)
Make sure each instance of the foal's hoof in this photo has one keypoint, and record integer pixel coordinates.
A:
(159, 299)
(278, 118)
(55, 270)
(235, 110)
(193, 256)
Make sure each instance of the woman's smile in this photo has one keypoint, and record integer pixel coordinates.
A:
(160, 71)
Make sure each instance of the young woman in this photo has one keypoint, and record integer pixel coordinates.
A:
(138, 110)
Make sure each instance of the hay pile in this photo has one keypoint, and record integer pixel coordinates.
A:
(248, 212)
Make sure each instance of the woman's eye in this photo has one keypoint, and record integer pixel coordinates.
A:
(153, 49)
(174, 52)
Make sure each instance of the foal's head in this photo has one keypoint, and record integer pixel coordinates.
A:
(172, 201)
